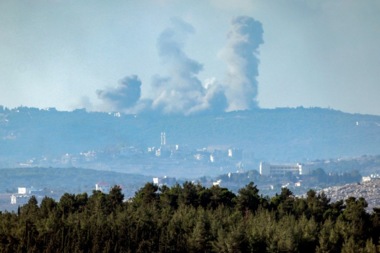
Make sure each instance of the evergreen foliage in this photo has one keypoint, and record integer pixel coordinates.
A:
(191, 218)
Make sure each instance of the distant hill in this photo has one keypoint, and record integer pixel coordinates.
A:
(284, 135)
(369, 190)
(70, 180)
(54, 182)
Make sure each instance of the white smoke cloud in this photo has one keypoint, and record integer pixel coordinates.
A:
(213, 100)
(241, 56)
(182, 91)
(125, 96)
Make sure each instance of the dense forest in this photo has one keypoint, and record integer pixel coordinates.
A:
(191, 218)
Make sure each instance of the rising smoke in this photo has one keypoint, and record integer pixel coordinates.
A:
(181, 91)
(125, 96)
(241, 56)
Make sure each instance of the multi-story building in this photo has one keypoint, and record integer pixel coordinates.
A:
(281, 169)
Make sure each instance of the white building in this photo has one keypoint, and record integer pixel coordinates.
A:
(21, 190)
(156, 180)
(281, 169)
(13, 199)
(102, 186)
(217, 183)
(366, 179)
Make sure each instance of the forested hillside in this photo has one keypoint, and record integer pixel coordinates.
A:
(191, 218)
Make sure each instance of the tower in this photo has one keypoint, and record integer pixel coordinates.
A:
(163, 139)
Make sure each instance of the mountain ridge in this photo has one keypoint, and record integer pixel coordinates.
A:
(278, 135)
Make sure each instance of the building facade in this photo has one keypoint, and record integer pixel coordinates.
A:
(268, 169)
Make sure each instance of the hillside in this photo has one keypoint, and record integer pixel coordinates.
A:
(34, 137)
(369, 190)
(71, 180)
(54, 182)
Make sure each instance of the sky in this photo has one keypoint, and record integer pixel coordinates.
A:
(184, 57)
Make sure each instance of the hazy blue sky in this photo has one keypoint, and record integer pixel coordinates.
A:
(68, 53)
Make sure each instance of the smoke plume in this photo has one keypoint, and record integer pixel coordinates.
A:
(125, 96)
(241, 56)
(181, 91)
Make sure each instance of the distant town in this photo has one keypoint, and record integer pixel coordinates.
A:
(49, 153)
(269, 178)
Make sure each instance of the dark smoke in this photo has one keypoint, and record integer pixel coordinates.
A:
(241, 55)
(125, 96)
